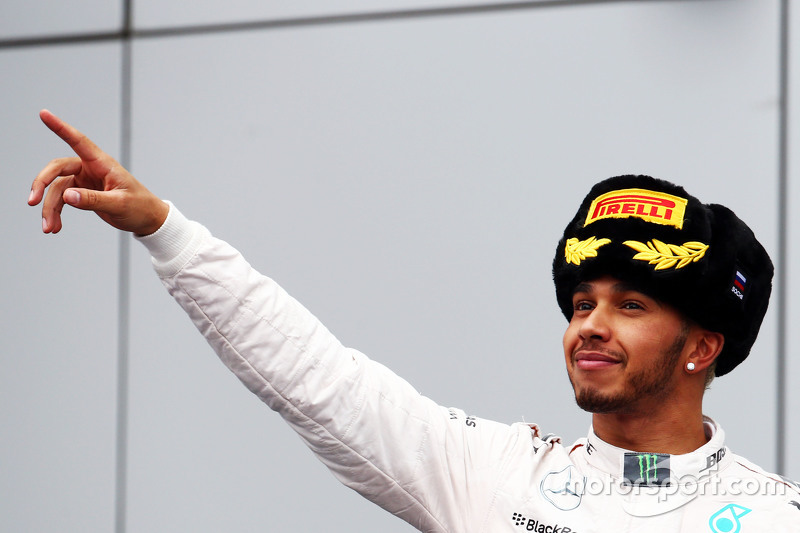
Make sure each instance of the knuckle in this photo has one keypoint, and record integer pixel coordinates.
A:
(91, 198)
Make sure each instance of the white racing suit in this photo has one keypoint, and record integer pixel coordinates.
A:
(436, 467)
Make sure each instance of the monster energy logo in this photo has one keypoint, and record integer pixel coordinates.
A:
(646, 469)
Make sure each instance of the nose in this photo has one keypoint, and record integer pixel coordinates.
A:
(596, 325)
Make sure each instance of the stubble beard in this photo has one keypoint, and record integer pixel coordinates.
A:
(653, 382)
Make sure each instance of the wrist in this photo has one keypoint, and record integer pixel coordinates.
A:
(174, 243)
(157, 214)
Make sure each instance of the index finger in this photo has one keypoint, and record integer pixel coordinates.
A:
(80, 143)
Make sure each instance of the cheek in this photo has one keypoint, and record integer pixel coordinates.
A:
(570, 340)
(647, 340)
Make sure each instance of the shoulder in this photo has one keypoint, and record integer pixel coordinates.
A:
(765, 490)
(748, 470)
(535, 444)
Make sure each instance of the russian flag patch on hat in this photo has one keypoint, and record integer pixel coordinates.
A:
(739, 284)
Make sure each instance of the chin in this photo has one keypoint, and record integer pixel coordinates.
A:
(596, 402)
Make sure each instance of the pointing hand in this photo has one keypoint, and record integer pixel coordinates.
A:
(93, 181)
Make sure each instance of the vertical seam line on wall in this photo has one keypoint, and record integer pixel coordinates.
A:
(123, 313)
(782, 255)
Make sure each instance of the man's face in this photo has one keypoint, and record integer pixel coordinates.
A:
(621, 347)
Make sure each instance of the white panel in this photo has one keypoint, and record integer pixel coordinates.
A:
(58, 363)
(408, 182)
(149, 14)
(36, 18)
(792, 435)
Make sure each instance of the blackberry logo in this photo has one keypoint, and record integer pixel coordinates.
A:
(531, 524)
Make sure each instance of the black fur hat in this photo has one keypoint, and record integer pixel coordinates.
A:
(699, 258)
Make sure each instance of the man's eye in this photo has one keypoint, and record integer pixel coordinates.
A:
(583, 306)
(632, 305)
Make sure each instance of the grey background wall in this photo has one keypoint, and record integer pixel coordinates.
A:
(404, 169)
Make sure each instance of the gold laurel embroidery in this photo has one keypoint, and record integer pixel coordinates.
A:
(665, 256)
(576, 251)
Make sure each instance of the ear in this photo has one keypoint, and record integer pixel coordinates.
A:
(707, 346)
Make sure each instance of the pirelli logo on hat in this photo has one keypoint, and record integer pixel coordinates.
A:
(652, 206)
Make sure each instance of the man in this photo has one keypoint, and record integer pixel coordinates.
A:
(662, 293)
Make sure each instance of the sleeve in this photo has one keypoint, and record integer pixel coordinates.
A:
(434, 467)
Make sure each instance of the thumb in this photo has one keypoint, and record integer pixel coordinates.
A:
(136, 210)
(88, 199)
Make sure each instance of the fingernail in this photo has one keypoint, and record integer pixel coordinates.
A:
(30, 197)
(72, 197)
(44, 224)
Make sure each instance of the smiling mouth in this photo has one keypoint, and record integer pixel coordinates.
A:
(594, 361)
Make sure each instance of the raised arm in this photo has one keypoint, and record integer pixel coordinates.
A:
(93, 181)
(434, 467)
